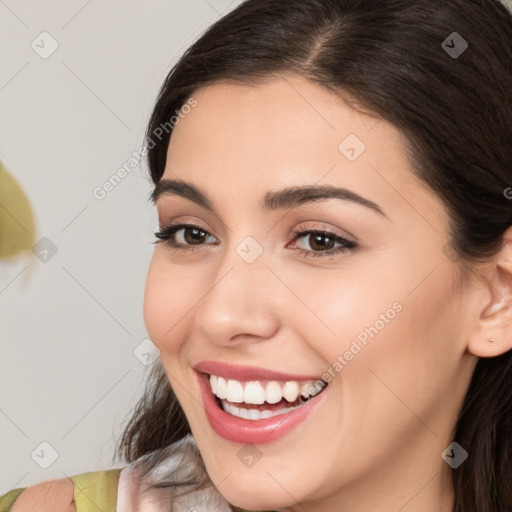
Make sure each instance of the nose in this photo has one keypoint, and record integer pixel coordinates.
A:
(241, 305)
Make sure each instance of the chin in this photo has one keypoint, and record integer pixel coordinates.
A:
(256, 498)
(256, 488)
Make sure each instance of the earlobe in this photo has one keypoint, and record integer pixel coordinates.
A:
(493, 334)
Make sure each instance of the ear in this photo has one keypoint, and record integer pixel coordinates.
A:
(495, 313)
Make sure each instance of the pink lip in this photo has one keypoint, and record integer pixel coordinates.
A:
(246, 373)
(239, 430)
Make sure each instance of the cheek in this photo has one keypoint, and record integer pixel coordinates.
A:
(341, 307)
(408, 363)
(386, 323)
(164, 298)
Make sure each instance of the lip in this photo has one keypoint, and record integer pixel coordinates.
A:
(247, 373)
(239, 430)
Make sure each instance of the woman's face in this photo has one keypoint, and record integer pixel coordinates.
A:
(381, 318)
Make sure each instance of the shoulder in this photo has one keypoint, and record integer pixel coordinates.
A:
(50, 496)
(73, 494)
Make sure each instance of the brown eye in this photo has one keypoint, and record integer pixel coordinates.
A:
(183, 235)
(192, 235)
(322, 243)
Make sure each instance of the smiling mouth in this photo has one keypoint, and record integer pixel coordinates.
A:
(255, 400)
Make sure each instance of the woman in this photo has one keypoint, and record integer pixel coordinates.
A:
(375, 375)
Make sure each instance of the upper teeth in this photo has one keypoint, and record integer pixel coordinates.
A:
(259, 392)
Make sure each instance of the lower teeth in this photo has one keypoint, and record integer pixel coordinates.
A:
(255, 414)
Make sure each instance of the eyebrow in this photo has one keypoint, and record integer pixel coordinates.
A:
(281, 199)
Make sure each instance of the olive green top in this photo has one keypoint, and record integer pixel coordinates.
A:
(94, 492)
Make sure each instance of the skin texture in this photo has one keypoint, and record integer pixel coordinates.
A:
(375, 442)
(52, 496)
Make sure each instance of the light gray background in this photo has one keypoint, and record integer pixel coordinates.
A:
(69, 327)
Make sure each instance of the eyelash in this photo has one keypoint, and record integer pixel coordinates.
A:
(165, 235)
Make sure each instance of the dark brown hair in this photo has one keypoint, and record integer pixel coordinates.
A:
(388, 58)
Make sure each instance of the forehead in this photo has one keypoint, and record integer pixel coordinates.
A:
(250, 139)
(278, 113)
